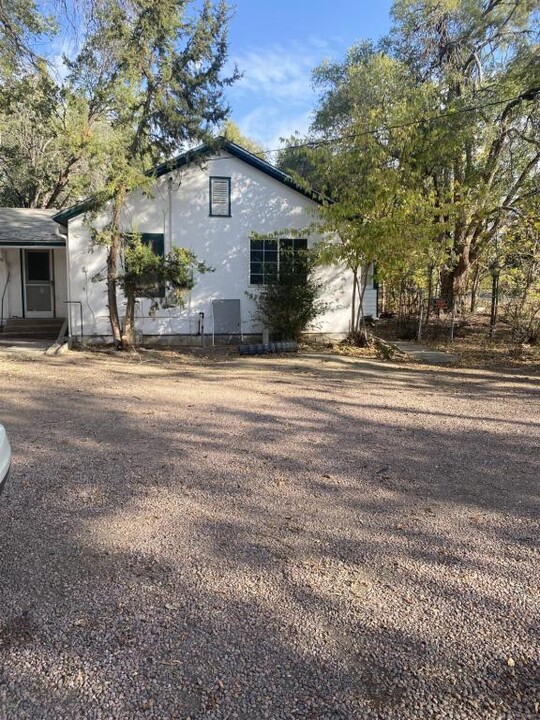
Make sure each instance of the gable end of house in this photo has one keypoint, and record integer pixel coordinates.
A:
(190, 156)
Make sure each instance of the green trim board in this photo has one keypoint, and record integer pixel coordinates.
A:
(190, 156)
(32, 244)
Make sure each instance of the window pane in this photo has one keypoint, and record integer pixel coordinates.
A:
(257, 280)
(156, 241)
(270, 271)
(37, 266)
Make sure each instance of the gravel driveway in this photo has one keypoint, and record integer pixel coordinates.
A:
(312, 537)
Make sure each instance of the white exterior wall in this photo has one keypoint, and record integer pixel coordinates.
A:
(370, 302)
(370, 296)
(10, 260)
(179, 208)
(60, 282)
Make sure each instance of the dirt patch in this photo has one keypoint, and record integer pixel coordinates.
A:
(474, 345)
(315, 536)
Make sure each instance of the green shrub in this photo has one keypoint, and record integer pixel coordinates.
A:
(290, 300)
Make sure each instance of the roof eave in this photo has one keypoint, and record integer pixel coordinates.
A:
(189, 156)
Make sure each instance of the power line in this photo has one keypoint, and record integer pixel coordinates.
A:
(397, 126)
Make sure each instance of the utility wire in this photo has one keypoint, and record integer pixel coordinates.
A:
(397, 126)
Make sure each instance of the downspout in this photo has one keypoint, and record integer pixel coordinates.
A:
(169, 247)
(6, 284)
(170, 225)
(64, 234)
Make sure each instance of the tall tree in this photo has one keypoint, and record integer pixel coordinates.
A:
(482, 58)
(381, 214)
(450, 104)
(155, 71)
(51, 148)
(232, 132)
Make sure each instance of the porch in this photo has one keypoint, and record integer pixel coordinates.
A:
(33, 274)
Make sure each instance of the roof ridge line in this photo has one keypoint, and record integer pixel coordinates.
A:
(189, 156)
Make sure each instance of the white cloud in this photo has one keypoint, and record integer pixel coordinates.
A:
(275, 97)
(282, 73)
(275, 74)
(267, 125)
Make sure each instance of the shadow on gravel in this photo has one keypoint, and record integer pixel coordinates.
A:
(320, 545)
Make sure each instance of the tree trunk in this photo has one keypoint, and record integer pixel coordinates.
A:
(353, 300)
(112, 268)
(128, 331)
(454, 281)
(430, 294)
(383, 299)
(475, 284)
(361, 331)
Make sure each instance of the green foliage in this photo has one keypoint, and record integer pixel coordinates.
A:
(156, 71)
(232, 132)
(290, 302)
(165, 279)
(22, 27)
(382, 215)
(305, 164)
(520, 274)
(429, 141)
(52, 152)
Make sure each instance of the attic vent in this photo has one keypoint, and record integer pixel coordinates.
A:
(220, 196)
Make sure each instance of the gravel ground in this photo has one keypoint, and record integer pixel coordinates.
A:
(312, 537)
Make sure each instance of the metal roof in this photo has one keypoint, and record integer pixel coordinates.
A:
(24, 227)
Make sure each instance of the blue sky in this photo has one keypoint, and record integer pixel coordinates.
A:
(277, 43)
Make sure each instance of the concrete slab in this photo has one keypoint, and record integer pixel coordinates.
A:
(15, 345)
(424, 354)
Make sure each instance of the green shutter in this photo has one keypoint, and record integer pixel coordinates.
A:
(156, 241)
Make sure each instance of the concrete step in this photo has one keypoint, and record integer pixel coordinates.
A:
(17, 345)
(30, 328)
(33, 326)
(37, 322)
(424, 354)
(44, 334)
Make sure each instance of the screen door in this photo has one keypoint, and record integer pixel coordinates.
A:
(38, 286)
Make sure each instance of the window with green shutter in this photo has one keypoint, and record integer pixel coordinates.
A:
(156, 241)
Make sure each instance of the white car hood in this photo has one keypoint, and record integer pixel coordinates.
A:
(5, 454)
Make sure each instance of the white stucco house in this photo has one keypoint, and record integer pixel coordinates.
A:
(213, 201)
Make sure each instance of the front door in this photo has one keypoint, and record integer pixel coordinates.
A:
(38, 285)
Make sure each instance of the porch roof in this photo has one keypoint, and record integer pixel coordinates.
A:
(24, 227)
